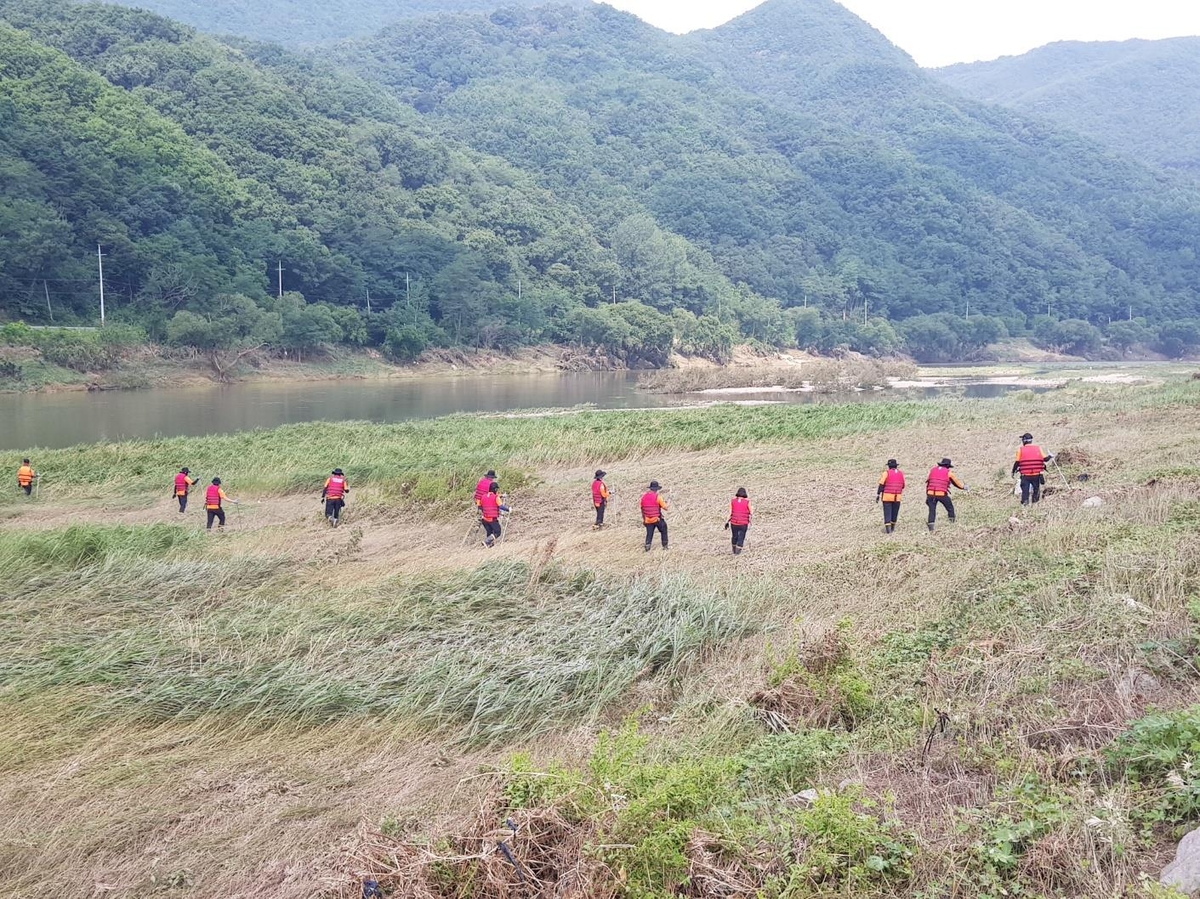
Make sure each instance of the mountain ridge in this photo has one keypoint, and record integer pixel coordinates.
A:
(1140, 98)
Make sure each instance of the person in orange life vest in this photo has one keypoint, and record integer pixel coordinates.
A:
(212, 503)
(653, 507)
(183, 486)
(740, 514)
(889, 491)
(334, 494)
(26, 476)
(481, 489)
(600, 496)
(1031, 465)
(937, 490)
(490, 508)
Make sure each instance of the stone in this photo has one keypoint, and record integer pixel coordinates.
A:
(804, 798)
(1093, 502)
(1184, 872)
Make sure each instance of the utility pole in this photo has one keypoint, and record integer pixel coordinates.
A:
(368, 302)
(614, 294)
(100, 263)
(1131, 312)
(48, 309)
(407, 299)
(518, 290)
(968, 316)
(806, 299)
(281, 278)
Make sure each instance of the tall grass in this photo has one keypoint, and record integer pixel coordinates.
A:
(440, 459)
(85, 544)
(488, 654)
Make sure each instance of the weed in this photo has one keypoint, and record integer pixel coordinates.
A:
(1158, 754)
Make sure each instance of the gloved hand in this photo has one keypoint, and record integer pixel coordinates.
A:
(727, 525)
(876, 497)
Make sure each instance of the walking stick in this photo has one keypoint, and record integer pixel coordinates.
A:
(37, 487)
(1066, 483)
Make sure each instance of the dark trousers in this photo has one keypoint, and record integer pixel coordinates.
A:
(891, 512)
(492, 530)
(28, 488)
(1031, 488)
(333, 508)
(661, 527)
(600, 512)
(932, 502)
(739, 536)
(183, 498)
(219, 515)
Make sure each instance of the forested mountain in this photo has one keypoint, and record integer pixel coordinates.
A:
(855, 179)
(1141, 98)
(568, 174)
(298, 22)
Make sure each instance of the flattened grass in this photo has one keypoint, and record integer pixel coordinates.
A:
(485, 655)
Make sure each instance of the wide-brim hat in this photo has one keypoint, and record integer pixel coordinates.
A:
(600, 472)
(892, 463)
(337, 471)
(490, 474)
(185, 470)
(741, 491)
(654, 485)
(946, 463)
(217, 481)
(1026, 436)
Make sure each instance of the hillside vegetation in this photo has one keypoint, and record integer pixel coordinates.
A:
(567, 175)
(1139, 98)
(1006, 706)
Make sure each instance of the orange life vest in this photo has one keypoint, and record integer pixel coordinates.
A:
(182, 483)
(739, 511)
(939, 481)
(212, 497)
(481, 489)
(490, 506)
(893, 485)
(599, 494)
(335, 487)
(24, 475)
(651, 510)
(1029, 460)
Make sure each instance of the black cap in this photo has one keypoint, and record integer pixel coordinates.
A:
(654, 485)
(892, 463)
(217, 481)
(945, 463)
(490, 474)
(1026, 436)
(337, 471)
(493, 487)
(741, 491)
(600, 472)
(185, 470)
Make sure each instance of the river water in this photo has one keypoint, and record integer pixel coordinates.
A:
(53, 420)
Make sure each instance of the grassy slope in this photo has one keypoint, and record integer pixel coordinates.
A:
(203, 715)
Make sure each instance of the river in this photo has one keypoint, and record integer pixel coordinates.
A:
(54, 420)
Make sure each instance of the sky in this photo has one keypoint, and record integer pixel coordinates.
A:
(940, 32)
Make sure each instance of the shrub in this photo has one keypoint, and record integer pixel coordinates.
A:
(1158, 755)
